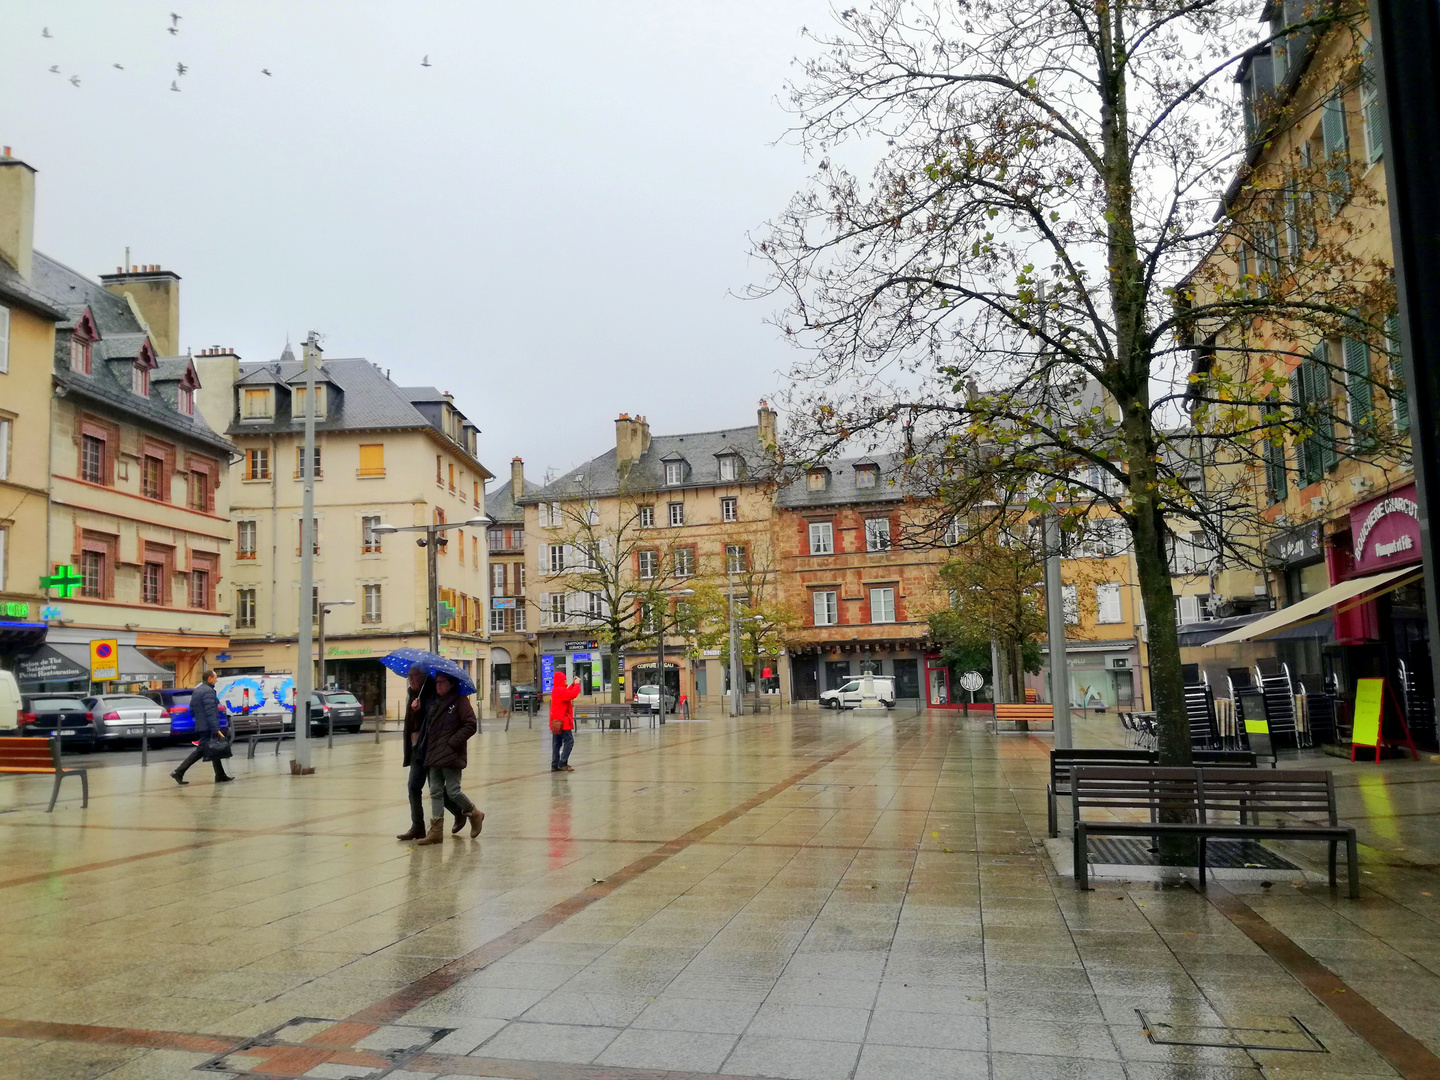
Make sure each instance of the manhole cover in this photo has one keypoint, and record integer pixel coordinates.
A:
(1219, 854)
(1258, 1033)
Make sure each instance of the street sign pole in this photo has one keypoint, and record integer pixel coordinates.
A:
(305, 664)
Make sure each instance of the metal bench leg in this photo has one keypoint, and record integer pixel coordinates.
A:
(55, 791)
(84, 789)
(1082, 862)
(1334, 844)
(1352, 865)
(1202, 862)
(1050, 808)
(250, 753)
(278, 740)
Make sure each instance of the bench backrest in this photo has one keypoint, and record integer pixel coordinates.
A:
(1134, 788)
(1062, 761)
(1023, 712)
(26, 752)
(1229, 759)
(1308, 792)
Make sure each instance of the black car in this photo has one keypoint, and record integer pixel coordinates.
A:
(525, 699)
(46, 714)
(338, 707)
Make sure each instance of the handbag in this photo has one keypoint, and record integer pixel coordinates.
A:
(216, 747)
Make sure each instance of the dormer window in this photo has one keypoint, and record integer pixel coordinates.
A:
(817, 479)
(299, 399)
(865, 475)
(140, 379)
(256, 403)
(674, 472)
(185, 401)
(729, 467)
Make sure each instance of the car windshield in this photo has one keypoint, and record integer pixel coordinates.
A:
(53, 703)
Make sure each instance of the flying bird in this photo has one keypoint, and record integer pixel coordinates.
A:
(45, 32)
(426, 61)
(173, 30)
(74, 80)
(174, 86)
(118, 67)
(174, 19)
(264, 71)
(55, 69)
(180, 69)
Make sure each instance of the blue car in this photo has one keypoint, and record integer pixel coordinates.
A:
(177, 704)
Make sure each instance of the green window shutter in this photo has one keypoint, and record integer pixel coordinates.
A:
(1292, 221)
(1398, 400)
(1357, 380)
(1299, 385)
(1370, 105)
(1337, 149)
(1273, 452)
(1321, 406)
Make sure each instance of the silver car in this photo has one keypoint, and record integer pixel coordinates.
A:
(128, 716)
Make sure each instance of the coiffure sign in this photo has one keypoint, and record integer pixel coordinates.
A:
(1386, 531)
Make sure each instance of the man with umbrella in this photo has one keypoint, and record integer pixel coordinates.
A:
(438, 725)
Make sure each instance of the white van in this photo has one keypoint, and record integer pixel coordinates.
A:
(9, 702)
(850, 694)
(257, 703)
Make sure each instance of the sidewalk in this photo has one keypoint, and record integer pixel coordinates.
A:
(808, 896)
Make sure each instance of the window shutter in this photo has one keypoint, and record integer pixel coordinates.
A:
(1370, 105)
(1399, 403)
(544, 609)
(1299, 385)
(1324, 416)
(1071, 603)
(1292, 220)
(1107, 601)
(1357, 378)
(372, 459)
(4, 339)
(1337, 149)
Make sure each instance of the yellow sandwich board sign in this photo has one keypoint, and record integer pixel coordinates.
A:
(104, 660)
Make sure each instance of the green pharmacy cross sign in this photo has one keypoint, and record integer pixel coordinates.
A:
(65, 578)
(445, 614)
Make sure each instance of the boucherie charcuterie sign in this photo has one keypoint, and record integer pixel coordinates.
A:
(1386, 530)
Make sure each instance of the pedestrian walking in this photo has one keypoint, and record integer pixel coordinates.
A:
(562, 721)
(448, 728)
(205, 711)
(419, 698)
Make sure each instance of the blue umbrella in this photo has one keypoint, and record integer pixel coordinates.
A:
(402, 660)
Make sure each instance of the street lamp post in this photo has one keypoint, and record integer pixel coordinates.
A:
(736, 690)
(326, 605)
(660, 652)
(429, 542)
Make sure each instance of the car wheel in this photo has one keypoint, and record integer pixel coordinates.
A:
(888, 704)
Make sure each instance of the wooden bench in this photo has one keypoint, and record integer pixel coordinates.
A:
(1229, 759)
(1063, 761)
(1033, 714)
(25, 755)
(751, 705)
(1210, 802)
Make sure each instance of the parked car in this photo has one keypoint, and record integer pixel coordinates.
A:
(850, 694)
(127, 716)
(525, 699)
(647, 695)
(65, 715)
(10, 709)
(177, 704)
(338, 707)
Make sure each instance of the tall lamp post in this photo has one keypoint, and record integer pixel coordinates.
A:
(325, 606)
(434, 536)
(660, 651)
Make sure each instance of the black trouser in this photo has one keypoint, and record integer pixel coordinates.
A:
(196, 755)
(418, 775)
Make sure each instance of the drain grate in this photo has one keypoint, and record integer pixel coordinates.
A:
(310, 1044)
(1258, 1033)
(1219, 854)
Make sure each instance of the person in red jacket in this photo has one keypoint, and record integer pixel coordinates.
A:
(562, 721)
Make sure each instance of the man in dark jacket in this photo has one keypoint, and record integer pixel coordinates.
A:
(205, 711)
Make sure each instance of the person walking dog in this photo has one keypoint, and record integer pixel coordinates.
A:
(562, 721)
(205, 710)
(448, 727)
(419, 698)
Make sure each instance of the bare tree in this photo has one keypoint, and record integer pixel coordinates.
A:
(1033, 295)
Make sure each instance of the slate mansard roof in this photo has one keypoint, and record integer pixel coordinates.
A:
(122, 338)
(500, 506)
(889, 486)
(359, 398)
(601, 476)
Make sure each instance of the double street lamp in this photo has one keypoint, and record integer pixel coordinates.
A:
(434, 537)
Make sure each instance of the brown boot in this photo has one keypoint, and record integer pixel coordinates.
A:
(412, 834)
(477, 819)
(436, 834)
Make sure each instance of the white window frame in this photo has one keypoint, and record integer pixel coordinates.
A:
(647, 560)
(825, 606)
(241, 621)
(729, 467)
(372, 612)
(735, 555)
(371, 542)
(254, 529)
(4, 340)
(729, 508)
(555, 558)
(866, 477)
(885, 594)
(519, 621)
(647, 517)
(497, 620)
(877, 534)
(594, 605)
(684, 559)
(1108, 608)
(676, 514)
(674, 473)
(822, 538)
(497, 579)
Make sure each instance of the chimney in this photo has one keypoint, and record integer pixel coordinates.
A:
(517, 477)
(767, 423)
(155, 294)
(218, 368)
(632, 438)
(17, 213)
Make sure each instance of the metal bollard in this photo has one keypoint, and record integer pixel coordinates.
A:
(330, 730)
(144, 743)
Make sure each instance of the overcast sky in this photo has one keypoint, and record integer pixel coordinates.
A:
(548, 222)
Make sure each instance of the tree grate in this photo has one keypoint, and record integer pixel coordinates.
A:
(1258, 1033)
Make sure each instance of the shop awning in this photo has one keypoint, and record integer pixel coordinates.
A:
(70, 662)
(1315, 606)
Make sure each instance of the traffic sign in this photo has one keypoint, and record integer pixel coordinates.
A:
(104, 660)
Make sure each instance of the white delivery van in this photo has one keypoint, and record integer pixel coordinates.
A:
(851, 693)
(257, 703)
(9, 702)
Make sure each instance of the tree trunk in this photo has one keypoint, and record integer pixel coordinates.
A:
(614, 673)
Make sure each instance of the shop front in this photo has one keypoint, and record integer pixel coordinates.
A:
(1099, 674)
(579, 658)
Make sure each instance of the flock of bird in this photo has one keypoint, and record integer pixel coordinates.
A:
(180, 68)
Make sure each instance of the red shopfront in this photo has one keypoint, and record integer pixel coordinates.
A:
(1388, 634)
